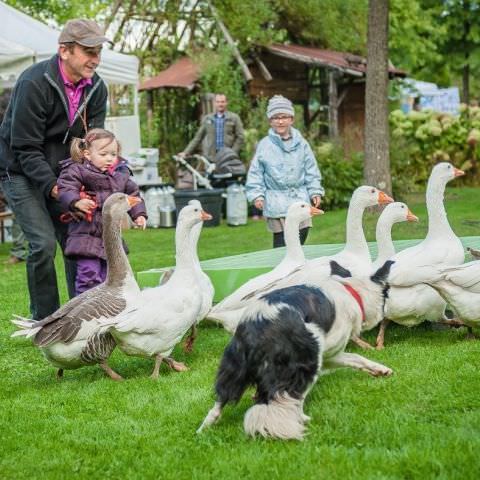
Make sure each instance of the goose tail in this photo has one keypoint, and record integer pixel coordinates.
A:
(26, 327)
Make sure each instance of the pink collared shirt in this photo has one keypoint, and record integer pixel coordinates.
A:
(73, 91)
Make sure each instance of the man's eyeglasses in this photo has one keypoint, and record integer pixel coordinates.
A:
(281, 118)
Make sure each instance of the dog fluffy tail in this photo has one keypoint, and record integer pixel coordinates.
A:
(27, 328)
(281, 418)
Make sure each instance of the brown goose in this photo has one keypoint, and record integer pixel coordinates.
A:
(70, 337)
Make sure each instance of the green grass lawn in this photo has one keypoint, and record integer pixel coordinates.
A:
(423, 422)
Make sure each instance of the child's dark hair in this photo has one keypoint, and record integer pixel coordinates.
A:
(78, 145)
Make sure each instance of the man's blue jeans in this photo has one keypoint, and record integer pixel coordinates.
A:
(39, 220)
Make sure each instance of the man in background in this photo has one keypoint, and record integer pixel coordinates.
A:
(217, 130)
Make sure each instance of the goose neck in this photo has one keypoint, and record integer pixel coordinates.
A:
(437, 216)
(118, 266)
(383, 236)
(292, 240)
(356, 241)
(183, 248)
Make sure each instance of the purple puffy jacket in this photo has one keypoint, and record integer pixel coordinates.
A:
(85, 238)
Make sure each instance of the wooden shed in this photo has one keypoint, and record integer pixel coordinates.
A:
(326, 83)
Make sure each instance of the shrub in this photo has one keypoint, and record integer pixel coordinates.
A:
(419, 140)
(340, 175)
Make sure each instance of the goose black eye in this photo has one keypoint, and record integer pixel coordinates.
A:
(303, 206)
(373, 190)
(449, 166)
(403, 206)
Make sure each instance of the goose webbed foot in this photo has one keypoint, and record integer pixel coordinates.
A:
(112, 374)
(188, 346)
(174, 365)
(360, 342)
(380, 343)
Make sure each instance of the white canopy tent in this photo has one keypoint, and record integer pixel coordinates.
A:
(24, 41)
(18, 28)
(14, 59)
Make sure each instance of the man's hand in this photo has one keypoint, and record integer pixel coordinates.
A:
(140, 222)
(259, 203)
(316, 201)
(54, 192)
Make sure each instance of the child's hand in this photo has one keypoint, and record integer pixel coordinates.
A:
(316, 200)
(85, 205)
(259, 203)
(140, 222)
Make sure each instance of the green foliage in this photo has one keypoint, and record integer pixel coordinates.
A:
(333, 24)
(420, 139)
(220, 73)
(59, 11)
(251, 22)
(340, 176)
(172, 127)
(414, 37)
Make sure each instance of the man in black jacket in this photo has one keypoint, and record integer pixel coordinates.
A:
(52, 102)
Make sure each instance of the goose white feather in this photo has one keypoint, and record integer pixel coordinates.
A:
(460, 287)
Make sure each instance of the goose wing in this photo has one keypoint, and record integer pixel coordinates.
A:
(64, 324)
(466, 276)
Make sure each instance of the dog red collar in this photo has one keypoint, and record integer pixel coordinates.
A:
(357, 297)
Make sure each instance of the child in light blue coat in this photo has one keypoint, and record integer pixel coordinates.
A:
(283, 171)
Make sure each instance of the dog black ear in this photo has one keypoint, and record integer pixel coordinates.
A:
(380, 276)
(337, 269)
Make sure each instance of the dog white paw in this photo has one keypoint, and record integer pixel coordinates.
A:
(381, 371)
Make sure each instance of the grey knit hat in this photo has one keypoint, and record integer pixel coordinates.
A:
(279, 104)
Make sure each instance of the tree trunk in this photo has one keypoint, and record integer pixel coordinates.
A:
(466, 64)
(376, 170)
(332, 106)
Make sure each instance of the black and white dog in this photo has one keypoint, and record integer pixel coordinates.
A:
(286, 338)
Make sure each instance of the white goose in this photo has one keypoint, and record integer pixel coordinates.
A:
(161, 316)
(410, 301)
(393, 213)
(70, 337)
(206, 285)
(229, 309)
(460, 287)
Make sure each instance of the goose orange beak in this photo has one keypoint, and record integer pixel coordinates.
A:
(316, 211)
(411, 217)
(205, 216)
(458, 173)
(383, 198)
(132, 201)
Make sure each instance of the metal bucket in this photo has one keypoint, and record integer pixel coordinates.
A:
(167, 218)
